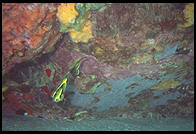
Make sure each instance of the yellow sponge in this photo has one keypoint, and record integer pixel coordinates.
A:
(84, 35)
(4, 88)
(189, 15)
(67, 13)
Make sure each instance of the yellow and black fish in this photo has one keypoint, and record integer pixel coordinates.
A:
(58, 93)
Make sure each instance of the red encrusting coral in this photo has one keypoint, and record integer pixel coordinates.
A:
(17, 102)
(27, 97)
(48, 72)
(46, 90)
(54, 80)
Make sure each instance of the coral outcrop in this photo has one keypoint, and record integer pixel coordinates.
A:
(137, 59)
(28, 29)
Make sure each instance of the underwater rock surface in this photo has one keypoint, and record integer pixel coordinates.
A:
(74, 61)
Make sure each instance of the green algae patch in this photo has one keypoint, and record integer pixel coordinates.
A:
(93, 89)
(142, 59)
(171, 83)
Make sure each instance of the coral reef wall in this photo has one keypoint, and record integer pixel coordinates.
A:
(139, 59)
(28, 30)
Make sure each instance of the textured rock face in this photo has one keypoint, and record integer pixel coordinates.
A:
(130, 42)
(28, 29)
(139, 53)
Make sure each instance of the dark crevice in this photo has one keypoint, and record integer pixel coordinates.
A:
(15, 73)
